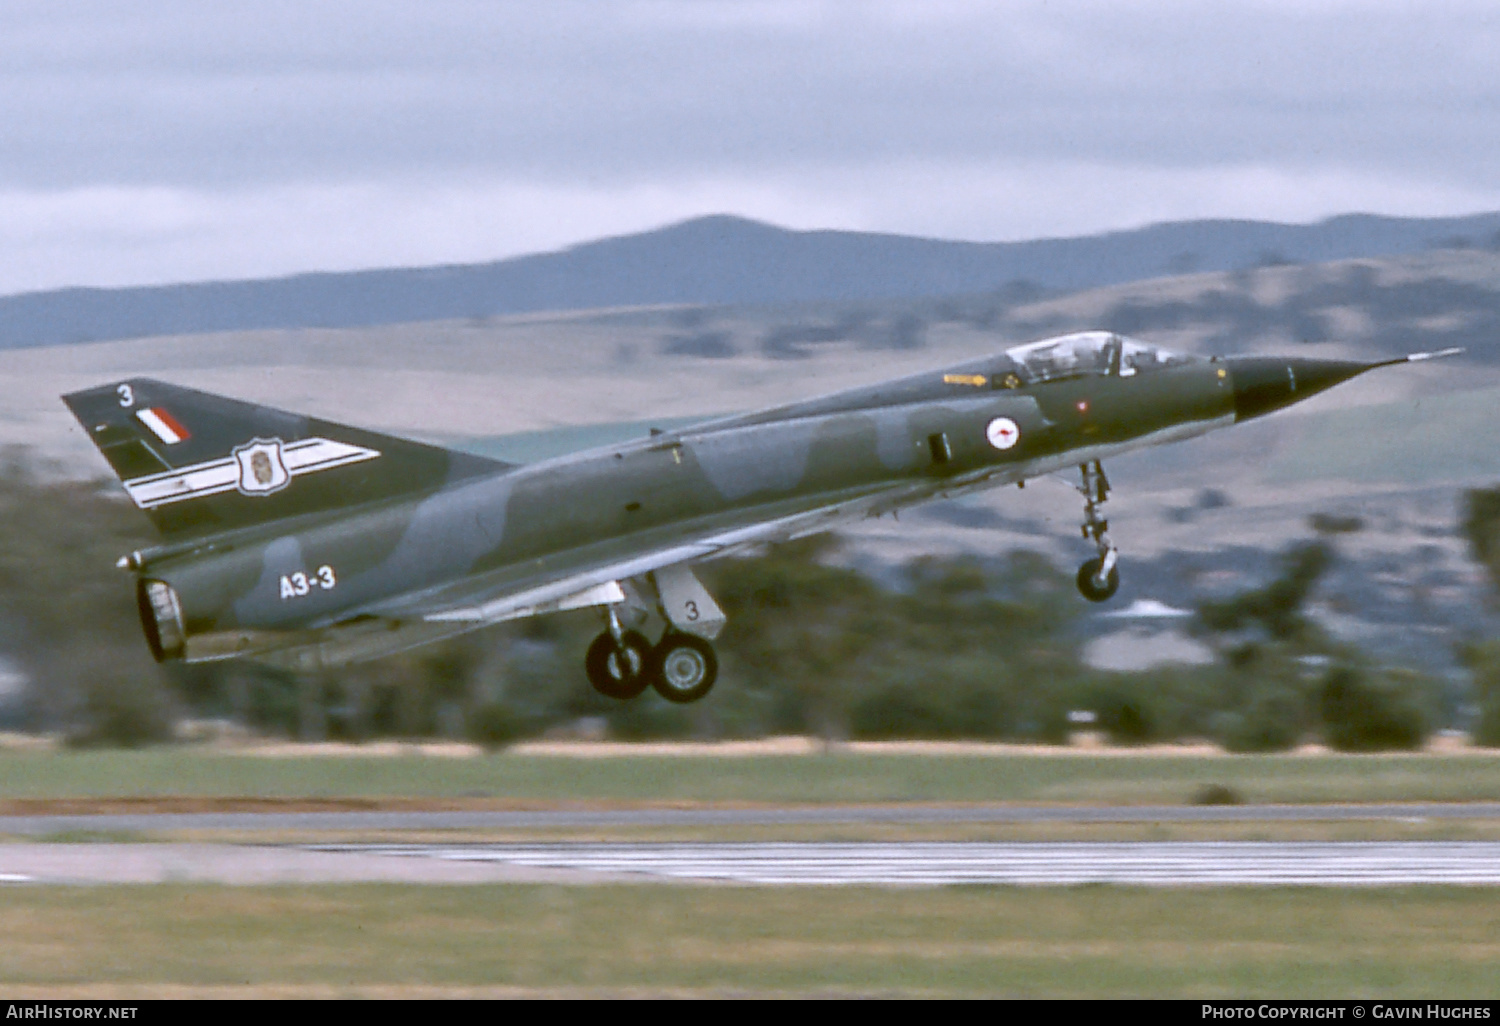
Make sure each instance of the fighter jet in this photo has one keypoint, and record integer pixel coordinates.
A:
(306, 543)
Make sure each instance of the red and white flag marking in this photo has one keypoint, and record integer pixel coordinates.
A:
(163, 425)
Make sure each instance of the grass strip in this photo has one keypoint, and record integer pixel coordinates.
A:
(1094, 941)
(816, 778)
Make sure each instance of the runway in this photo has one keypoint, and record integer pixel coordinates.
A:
(912, 864)
(1152, 864)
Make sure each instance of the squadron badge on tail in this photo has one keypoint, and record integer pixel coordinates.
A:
(262, 467)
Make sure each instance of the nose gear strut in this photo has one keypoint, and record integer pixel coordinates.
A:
(1099, 578)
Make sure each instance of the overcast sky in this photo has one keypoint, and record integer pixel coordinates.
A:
(166, 141)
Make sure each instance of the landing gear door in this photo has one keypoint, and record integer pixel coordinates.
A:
(686, 604)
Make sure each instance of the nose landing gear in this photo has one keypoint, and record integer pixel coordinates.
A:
(1099, 578)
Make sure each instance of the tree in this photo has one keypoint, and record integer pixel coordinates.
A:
(1481, 526)
(69, 618)
(1483, 661)
(1265, 640)
(1275, 611)
(800, 631)
(1371, 712)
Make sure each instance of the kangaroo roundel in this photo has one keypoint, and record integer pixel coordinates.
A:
(262, 467)
(1003, 433)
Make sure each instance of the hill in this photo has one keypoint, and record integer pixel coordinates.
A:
(719, 261)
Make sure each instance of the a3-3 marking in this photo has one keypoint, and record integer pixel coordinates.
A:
(299, 584)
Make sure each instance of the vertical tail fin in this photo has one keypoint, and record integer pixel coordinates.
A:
(198, 463)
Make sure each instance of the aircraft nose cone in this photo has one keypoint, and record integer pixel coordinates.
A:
(1266, 383)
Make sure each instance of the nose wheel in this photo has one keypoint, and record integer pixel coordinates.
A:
(1098, 578)
(1097, 584)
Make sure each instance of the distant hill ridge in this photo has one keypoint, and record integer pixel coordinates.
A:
(717, 260)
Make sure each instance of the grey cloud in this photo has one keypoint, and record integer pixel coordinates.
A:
(200, 95)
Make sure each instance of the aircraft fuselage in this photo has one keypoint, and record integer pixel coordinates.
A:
(312, 543)
(543, 521)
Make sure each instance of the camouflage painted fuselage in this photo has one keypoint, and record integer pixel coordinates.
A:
(376, 554)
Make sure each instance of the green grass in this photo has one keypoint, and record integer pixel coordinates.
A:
(835, 777)
(1062, 942)
(1382, 829)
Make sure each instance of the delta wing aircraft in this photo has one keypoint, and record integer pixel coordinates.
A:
(307, 543)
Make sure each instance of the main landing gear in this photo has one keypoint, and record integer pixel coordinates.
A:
(619, 667)
(621, 664)
(1099, 578)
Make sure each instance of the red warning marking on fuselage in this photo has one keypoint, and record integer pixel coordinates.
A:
(163, 425)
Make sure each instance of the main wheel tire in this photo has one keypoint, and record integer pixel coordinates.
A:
(619, 671)
(1090, 588)
(683, 667)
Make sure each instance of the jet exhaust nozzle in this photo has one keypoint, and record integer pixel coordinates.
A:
(161, 619)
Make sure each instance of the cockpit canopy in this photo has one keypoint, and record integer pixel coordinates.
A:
(1091, 352)
(1068, 356)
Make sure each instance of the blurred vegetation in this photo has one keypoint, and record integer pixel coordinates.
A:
(1286, 679)
(1483, 662)
(962, 652)
(957, 648)
(67, 620)
(1481, 526)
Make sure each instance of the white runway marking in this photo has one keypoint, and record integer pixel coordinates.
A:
(1160, 864)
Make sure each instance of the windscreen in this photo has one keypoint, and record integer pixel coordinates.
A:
(1092, 352)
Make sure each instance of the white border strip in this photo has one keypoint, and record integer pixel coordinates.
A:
(307, 456)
